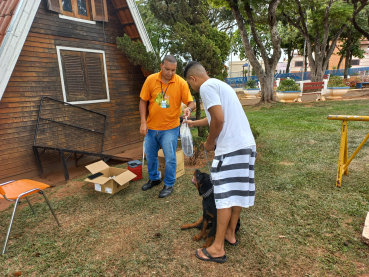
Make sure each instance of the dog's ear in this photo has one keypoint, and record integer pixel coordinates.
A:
(199, 180)
(203, 185)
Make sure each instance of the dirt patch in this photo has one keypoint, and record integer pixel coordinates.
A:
(71, 188)
(360, 267)
(308, 106)
(4, 204)
(286, 163)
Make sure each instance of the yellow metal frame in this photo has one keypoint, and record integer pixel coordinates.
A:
(343, 161)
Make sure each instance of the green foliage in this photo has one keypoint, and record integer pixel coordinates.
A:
(321, 17)
(193, 32)
(205, 45)
(336, 81)
(263, 32)
(137, 54)
(288, 85)
(350, 36)
(362, 20)
(250, 84)
(157, 31)
(194, 35)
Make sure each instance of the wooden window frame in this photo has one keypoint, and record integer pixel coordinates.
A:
(77, 19)
(74, 12)
(58, 49)
(103, 17)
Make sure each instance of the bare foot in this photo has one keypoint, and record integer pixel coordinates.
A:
(214, 253)
(230, 236)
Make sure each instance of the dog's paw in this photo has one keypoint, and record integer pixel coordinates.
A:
(186, 226)
(197, 238)
(206, 245)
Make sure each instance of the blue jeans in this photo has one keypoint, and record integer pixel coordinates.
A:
(167, 139)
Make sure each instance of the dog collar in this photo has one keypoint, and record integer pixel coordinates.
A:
(207, 194)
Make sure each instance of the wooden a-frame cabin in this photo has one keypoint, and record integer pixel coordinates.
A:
(66, 50)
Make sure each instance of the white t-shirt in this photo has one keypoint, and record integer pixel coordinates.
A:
(236, 133)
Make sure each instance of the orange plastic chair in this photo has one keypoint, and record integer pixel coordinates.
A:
(15, 190)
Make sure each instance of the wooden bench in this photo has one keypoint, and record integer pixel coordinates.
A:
(312, 86)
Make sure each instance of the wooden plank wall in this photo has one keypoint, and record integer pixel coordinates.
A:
(36, 74)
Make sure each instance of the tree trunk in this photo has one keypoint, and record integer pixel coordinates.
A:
(267, 86)
(317, 68)
(357, 10)
(348, 51)
(289, 60)
(198, 112)
(306, 64)
(317, 75)
(266, 76)
(326, 50)
(340, 61)
(318, 64)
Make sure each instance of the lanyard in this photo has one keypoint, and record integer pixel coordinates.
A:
(162, 92)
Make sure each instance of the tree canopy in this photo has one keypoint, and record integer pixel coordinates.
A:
(257, 24)
(315, 19)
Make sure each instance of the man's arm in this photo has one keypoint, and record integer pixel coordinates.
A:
(197, 123)
(186, 111)
(216, 126)
(143, 114)
(191, 105)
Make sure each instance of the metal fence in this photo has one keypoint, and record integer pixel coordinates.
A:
(351, 71)
(240, 81)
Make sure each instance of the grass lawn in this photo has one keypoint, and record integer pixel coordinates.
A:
(301, 224)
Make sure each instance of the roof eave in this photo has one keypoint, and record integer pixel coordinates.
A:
(140, 25)
(14, 39)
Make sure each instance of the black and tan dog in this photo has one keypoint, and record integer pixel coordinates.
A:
(209, 217)
(205, 188)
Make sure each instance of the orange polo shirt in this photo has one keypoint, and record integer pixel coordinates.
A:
(177, 91)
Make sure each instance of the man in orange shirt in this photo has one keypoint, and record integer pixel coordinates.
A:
(164, 91)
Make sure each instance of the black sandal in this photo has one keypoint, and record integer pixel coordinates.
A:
(233, 244)
(222, 259)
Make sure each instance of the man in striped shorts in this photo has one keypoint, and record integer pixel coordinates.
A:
(232, 170)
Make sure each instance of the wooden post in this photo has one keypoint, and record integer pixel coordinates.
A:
(346, 154)
(341, 157)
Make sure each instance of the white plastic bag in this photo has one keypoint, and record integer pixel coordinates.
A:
(186, 140)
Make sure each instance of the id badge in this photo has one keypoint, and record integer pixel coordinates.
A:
(164, 104)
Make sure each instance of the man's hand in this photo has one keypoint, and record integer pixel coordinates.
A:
(209, 146)
(190, 123)
(143, 129)
(186, 113)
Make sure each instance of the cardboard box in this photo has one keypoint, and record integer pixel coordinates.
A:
(113, 179)
(180, 170)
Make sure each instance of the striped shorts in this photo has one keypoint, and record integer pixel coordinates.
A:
(233, 178)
